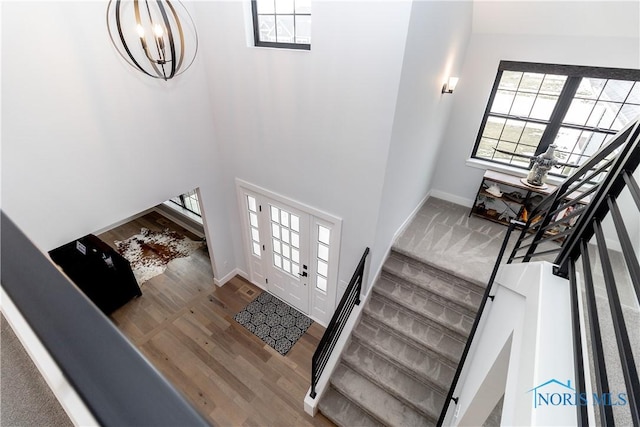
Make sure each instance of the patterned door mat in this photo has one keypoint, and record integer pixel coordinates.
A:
(274, 322)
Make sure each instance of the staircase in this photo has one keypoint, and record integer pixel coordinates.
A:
(403, 354)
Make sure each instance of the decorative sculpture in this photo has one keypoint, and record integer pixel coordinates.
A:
(540, 166)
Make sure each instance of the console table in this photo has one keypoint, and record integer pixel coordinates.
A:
(515, 202)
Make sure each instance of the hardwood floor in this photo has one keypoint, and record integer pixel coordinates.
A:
(184, 325)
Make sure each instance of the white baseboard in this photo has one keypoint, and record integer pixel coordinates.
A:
(70, 401)
(452, 198)
(235, 272)
(174, 216)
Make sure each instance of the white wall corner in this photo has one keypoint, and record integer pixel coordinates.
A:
(403, 226)
(235, 272)
(452, 198)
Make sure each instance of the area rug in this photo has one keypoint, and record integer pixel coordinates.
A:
(274, 322)
(150, 251)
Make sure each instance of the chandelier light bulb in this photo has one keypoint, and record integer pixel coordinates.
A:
(174, 45)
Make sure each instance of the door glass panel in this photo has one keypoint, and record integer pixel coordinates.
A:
(323, 269)
(323, 234)
(282, 223)
(277, 260)
(252, 204)
(323, 252)
(254, 234)
(321, 284)
(322, 261)
(295, 223)
(253, 219)
(274, 214)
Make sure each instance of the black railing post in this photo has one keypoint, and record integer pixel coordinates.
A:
(330, 337)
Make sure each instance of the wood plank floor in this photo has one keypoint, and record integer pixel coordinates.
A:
(184, 325)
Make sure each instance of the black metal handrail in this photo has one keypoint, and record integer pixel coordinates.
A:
(476, 322)
(115, 382)
(350, 299)
(598, 182)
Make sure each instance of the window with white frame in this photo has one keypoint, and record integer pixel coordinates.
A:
(577, 108)
(282, 23)
(188, 201)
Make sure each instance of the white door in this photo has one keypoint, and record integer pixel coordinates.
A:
(292, 250)
(288, 255)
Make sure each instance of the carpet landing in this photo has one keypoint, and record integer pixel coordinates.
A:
(274, 322)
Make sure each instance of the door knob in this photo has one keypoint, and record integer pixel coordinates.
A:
(303, 274)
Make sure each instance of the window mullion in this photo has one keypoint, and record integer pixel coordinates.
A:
(562, 106)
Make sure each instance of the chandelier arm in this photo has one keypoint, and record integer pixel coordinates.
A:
(122, 39)
(152, 61)
(172, 45)
(180, 32)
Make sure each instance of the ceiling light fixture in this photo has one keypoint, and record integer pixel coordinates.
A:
(156, 37)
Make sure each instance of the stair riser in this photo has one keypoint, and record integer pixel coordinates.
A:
(410, 391)
(422, 333)
(422, 364)
(456, 306)
(436, 272)
(422, 307)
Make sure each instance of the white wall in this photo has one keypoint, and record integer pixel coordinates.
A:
(575, 33)
(436, 46)
(314, 126)
(88, 141)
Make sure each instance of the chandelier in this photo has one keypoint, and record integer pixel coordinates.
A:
(156, 37)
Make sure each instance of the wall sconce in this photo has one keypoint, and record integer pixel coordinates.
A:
(156, 37)
(450, 85)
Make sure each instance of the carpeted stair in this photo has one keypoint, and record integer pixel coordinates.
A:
(403, 354)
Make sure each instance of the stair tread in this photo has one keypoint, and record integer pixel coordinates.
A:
(455, 289)
(343, 412)
(422, 364)
(422, 303)
(424, 334)
(374, 400)
(407, 388)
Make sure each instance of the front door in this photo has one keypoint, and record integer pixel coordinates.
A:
(288, 255)
(292, 249)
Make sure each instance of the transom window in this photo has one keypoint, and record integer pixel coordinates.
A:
(535, 105)
(282, 23)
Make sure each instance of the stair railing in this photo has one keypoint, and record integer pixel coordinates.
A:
(328, 342)
(563, 223)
